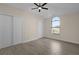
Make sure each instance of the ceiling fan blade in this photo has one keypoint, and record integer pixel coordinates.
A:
(44, 4)
(39, 10)
(36, 4)
(45, 8)
(34, 8)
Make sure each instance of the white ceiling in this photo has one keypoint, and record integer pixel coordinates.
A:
(54, 9)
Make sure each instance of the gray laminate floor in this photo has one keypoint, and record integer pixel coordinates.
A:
(42, 46)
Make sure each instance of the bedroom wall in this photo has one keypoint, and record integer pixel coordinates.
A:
(69, 28)
(32, 27)
(26, 27)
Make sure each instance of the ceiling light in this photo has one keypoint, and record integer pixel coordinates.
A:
(39, 8)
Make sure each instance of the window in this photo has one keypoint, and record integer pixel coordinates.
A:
(56, 25)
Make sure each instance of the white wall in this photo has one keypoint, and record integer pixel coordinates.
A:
(32, 27)
(69, 28)
(26, 27)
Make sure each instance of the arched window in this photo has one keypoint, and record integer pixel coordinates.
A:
(56, 25)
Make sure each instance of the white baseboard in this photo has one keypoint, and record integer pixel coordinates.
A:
(22, 42)
(31, 40)
(63, 40)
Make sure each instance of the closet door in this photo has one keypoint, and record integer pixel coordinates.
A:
(5, 31)
(17, 30)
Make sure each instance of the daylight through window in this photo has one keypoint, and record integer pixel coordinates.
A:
(56, 25)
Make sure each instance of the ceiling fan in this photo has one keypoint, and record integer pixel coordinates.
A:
(40, 6)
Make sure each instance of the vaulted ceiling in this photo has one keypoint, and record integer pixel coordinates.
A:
(54, 9)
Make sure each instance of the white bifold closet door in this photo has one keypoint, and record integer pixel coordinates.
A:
(6, 32)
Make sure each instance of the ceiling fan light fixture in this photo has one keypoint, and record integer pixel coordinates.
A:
(40, 8)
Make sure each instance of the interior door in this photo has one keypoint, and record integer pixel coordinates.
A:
(5, 31)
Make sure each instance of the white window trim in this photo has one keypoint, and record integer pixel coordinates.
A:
(55, 27)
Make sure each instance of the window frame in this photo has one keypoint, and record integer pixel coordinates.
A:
(55, 27)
